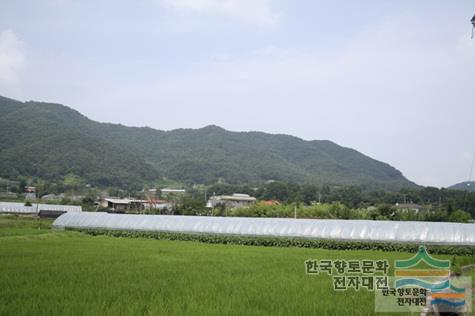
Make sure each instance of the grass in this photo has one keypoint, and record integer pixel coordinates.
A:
(62, 273)
(23, 226)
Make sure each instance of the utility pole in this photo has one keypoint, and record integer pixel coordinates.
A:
(471, 167)
(37, 206)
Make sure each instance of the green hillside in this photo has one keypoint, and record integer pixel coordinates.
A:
(464, 186)
(51, 140)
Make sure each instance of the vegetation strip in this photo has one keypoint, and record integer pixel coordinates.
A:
(284, 242)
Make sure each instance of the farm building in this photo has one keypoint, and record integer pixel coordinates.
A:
(52, 197)
(158, 205)
(409, 207)
(355, 230)
(167, 192)
(119, 205)
(231, 201)
(42, 210)
(124, 205)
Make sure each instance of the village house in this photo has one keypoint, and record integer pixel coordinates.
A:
(409, 207)
(231, 201)
(121, 205)
(132, 205)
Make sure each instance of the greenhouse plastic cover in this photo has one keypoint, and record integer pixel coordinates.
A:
(363, 230)
(20, 208)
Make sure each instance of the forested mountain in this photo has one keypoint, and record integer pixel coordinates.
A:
(51, 140)
(465, 186)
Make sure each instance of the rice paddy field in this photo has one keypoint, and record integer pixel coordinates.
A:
(46, 272)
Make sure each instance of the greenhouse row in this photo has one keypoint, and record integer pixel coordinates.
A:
(21, 208)
(355, 230)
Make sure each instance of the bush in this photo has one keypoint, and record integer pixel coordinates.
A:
(460, 217)
(286, 242)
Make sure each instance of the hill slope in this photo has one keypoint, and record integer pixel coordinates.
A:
(464, 186)
(51, 140)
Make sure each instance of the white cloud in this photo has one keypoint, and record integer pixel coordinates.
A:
(393, 87)
(255, 12)
(12, 61)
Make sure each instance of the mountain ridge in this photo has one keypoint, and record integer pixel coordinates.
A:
(464, 186)
(65, 141)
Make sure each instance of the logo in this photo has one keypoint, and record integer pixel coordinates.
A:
(427, 284)
(420, 284)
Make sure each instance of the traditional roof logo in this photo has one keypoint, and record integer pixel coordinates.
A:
(437, 279)
(422, 255)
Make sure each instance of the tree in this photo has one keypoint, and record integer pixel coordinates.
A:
(460, 217)
(276, 191)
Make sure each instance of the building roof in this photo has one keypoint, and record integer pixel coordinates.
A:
(270, 202)
(157, 201)
(20, 208)
(234, 197)
(355, 230)
(124, 201)
(408, 205)
(166, 190)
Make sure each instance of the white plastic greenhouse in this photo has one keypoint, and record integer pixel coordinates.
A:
(362, 230)
(20, 208)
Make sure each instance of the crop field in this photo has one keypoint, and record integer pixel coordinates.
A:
(65, 272)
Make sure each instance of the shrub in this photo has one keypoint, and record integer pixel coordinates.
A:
(286, 242)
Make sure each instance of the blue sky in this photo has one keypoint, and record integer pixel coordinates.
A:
(392, 79)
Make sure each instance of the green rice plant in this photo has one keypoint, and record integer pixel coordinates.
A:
(73, 273)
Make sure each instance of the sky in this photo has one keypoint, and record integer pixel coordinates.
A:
(394, 80)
